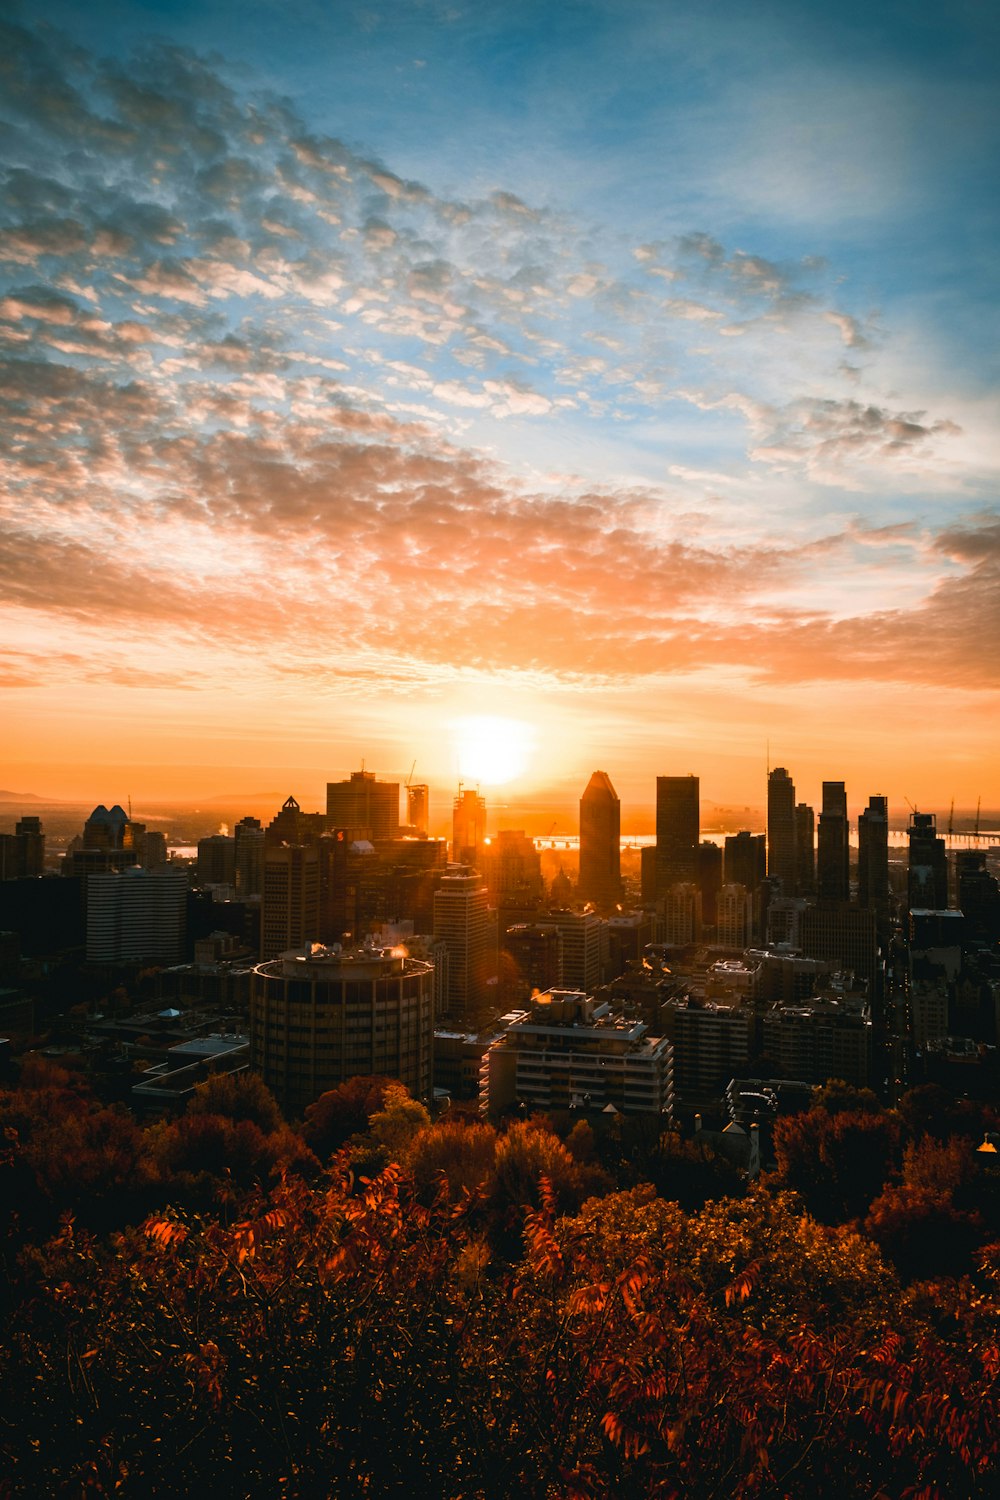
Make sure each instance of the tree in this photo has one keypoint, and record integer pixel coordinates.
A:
(237, 1097)
(342, 1112)
(839, 1162)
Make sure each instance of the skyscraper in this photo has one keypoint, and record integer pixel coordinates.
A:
(873, 854)
(805, 849)
(600, 842)
(745, 860)
(467, 926)
(418, 805)
(249, 858)
(833, 862)
(781, 829)
(678, 828)
(927, 885)
(468, 827)
(366, 808)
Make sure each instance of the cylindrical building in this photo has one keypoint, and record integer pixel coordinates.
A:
(321, 1015)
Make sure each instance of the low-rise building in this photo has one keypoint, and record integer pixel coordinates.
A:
(567, 1051)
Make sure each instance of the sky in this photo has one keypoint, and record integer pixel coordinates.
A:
(505, 388)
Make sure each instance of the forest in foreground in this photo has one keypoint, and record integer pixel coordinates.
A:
(369, 1303)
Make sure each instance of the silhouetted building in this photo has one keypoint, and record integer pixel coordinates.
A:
(418, 806)
(248, 858)
(978, 897)
(290, 914)
(834, 854)
(843, 934)
(22, 853)
(600, 878)
(293, 826)
(468, 828)
(682, 914)
(745, 859)
(678, 830)
(533, 951)
(322, 1015)
(780, 831)
(709, 881)
(805, 849)
(873, 854)
(512, 868)
(734, 928)
(927, 884)
(216, 860)
(365, 807)
(105, 844)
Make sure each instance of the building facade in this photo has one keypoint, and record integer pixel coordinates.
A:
(319, 1016)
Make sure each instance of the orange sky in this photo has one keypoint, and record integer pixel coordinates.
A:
(327, 429)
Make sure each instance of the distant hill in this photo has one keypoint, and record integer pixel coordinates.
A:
(20, 797)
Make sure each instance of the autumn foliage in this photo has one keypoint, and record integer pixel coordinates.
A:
(487, 1318)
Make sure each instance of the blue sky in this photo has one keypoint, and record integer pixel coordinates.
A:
(638, 348)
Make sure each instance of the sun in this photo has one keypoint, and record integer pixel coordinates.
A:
(491, 750)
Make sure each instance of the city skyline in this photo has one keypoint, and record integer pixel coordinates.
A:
(510, 392)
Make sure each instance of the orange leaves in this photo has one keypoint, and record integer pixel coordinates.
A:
(740, 1289)
(164, 1232)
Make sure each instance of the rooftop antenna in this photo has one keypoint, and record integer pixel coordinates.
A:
(979, 803)
(130, 807)
(951, 818)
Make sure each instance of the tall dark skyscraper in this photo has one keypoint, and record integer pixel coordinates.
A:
(678, 829)
(805, 849)
(927, 885)
(873, 854)
(781, 829)
(600, 841)
(834, 854)
(745, 860)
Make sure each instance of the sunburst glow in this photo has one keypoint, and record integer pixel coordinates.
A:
(491, 750)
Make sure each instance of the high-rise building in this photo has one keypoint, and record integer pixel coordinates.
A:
(927, 885)
(290, 914)
(873, 854)
(216, 860)
(581, 936)
(418, 806)
(136, 915)
(293, 826)
(734, 928)
(466, 924)
(833, 860)
(468, 827)
(745, 859)
(322, 1015)
(366, 808)
(512, 868)
(805, 849)
(678, 830)
(248, 858)
(781, 829)
(709, 880)
(844, 935)
(600, 877)
(22, 853)
(682, 914)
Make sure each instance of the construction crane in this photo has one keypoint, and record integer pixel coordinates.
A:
(410, 777)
